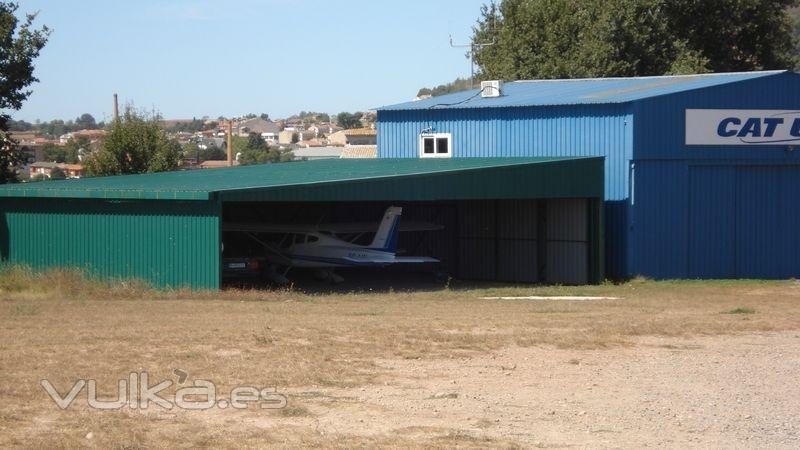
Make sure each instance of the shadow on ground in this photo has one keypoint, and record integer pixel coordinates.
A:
(363, 280)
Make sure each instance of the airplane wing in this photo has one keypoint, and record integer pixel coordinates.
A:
(336, 228)
(414, 260)
(266, 228)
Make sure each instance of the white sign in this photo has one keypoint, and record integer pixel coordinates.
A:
(742, 127)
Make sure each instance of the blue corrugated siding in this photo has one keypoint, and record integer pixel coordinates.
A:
(661, 123)
(601, 130)
(716, 219)
(596, 130)
(714, 211)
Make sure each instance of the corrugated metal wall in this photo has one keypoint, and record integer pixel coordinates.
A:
(720, 219)
(166, 243)
(501, 241)
(599, 130)
(714, 211)
(591, 130)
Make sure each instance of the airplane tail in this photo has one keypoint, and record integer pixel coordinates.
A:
(386, 237)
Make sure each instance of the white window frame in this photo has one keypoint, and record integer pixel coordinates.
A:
(436, 137)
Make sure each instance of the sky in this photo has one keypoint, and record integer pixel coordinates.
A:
(195, 58)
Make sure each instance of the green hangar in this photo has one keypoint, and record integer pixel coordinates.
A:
(504, 219)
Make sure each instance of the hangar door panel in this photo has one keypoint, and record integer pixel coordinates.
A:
(759, 218)
(567, 241)
(743, 222)
(497, 240)
(712, 222)
(517, 246)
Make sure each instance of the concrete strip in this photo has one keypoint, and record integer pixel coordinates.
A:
(562, 298)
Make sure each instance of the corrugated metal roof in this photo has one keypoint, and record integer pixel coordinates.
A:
(201, 184)
(317, 152)
(580, 91)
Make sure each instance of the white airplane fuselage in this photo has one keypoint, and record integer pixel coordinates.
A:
(329, 252)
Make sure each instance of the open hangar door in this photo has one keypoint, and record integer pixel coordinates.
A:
(548, 241)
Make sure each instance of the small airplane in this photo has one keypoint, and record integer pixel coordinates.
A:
(321, 247)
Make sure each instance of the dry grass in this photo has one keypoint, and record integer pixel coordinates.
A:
(61, 327)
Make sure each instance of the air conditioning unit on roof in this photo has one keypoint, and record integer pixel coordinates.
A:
(491, 89)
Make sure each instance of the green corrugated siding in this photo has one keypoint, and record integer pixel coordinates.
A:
(168, 244)
(298, 177)
(575, 178)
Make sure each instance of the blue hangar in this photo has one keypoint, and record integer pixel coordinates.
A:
(702, 174)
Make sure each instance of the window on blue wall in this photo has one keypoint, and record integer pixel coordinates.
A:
(435, 145)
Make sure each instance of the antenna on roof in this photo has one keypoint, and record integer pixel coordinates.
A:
(473, 47)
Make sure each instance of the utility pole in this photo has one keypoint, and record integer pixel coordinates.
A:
(230, 143)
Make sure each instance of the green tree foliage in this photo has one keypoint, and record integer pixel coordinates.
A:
(19, 125)
(136, 144)
(460, 84)
(210, 153)
(74, 148)
(349, 120)
(57, 174)
(68, 153)
(85, 122)
(54, 153)
(57, 127)
(604, 38)
(20, 44)
(256, 151)
(192, 126)
(311, 117)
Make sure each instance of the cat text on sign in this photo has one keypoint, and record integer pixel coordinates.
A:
(742, 127)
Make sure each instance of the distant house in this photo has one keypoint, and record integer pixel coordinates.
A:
(357, 136)
(324, 129)
(32, 145)
(46, 169)
(91, 135)
(313, 153)
(216, 164)
(360, 152)
(286, 137)
(313, 143)
(267, 129)
(204, 143)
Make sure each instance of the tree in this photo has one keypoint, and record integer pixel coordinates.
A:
(212, 153)
(54, 153)
(19, 125)
(204, 152)
(349, 121)
(604, 38)
(258, 152)
(75, 148)
(85, 122)
(136, 144)
(57, 174)
(20, 45)
(460, 84)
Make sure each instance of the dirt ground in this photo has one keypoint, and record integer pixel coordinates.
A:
(670, 364)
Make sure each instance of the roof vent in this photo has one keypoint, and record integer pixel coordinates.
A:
(491, 89)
